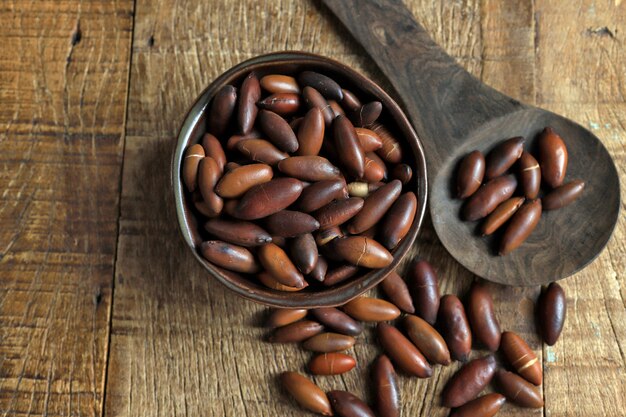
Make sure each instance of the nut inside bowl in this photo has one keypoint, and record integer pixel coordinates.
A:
(293, 63)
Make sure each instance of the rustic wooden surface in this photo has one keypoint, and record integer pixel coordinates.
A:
(102, 312)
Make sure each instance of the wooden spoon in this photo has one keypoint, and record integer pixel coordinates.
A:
(455, 113)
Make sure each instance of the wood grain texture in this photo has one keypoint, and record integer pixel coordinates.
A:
(63, 84)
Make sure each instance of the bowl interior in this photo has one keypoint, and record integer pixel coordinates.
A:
(291, 63)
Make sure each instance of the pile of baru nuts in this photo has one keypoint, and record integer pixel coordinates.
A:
(432, 331)
(297, 183)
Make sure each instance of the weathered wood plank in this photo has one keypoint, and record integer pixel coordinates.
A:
(63, 79)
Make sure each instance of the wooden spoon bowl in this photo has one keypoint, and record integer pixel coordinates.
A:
(291, 63)
(454, 113)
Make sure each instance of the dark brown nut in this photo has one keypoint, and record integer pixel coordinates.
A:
(260, 150)
(249, 94)
(486, 406)
(306, 393)
(350, 102)
(551, 311)
(563, 195)
(289, 223)
(369, 140)
(371, 309)
(337, 321)
(398, 220)
(296, 332)
(337, 110)
(518, 390)
(347, 404)
(530, 175)
(213, 148)
(387, 392)
(329, 342)
(321, 193)
(482, 318)
(268, 198)
(362, 251)
(391, 151)
(283, 316)
(363, 189)
(270, 282)
(503, 156)
(277, 263)
(311, 133)
(367, 114)
(325, 85)
(397, 291)
(278, 131)
(319, 270)
(340, 274)
(455, 327)
(402, 352)
(303, 251)
(521, 226)
(331, 364)
(424, 287)
(470, 174)
(469, 381)
(338, 212)
(521, 357)
(325, 236)
(427, 340)
(488, 197)
(402, 172)
(222, 109)
(238, 232)
(501, 215)
(309, 168)
(278, 83)
(237, 182)
(552, 157)
(208, 175)
(375, 207)
(281, 103)
(314, 99)
(349, 149)
(193, 156)
(229, 256)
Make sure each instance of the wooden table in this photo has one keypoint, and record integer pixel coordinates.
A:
(102, 309)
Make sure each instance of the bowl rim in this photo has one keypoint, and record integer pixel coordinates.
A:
(335, 295)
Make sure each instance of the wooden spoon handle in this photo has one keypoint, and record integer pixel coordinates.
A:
(443, 101)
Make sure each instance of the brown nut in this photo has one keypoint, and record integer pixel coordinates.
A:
(232, 141)
(283, 316)
(278, 83)
(404, 353)
(314, 99)
(340, 274)
(387, 392)
(482, 318)
(350, 101)
(349, 149)
(278, 131)
(469, 381)
(373, 170)
(281, 103)
(238, 181)
(213, 148)
(306, 393)
(347, 404)
(367, 114)
(331, 364)
(319, 270)
(311, 133)
(369, 140)
(521, 357)
(530, 175)
(427, 340)
(518, 390)
(375, 207)
(552, 157)
(503, 156)
(289, 223)
(338, 212)
(398, 220)
(337, 321)
(551, 311)
(488, 197)
(222, 109)
(277, 263)
(500, 215)
(208, 175)
(270, 282)
(563, 195)
(319, 194)
(303, 253)
(424, 287)
(238, 232)
(249, 94)
(391, 151)
(397, 291)
(455, 327)
(521, 226)
(329, 342)
(296, 332)
(362, 251)
(309, 168)
(486, 406)
(229, 256)
(260, 150)
(470, 174)
(193, 156)
(371, 309)
(268, 198)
